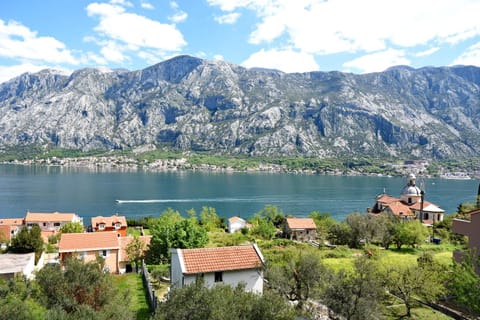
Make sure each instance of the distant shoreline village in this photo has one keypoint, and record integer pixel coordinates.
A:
(123, 163)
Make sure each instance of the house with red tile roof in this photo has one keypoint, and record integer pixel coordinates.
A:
(469, 228)
(50, 223)
(114, 223)
(89, 245)
(300, 229)
(410, 205)
(236, 224)
(9, 229)
(228, 265)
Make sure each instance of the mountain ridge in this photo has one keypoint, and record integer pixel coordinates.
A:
(187, 103)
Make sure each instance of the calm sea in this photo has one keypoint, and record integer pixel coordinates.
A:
(89, 193)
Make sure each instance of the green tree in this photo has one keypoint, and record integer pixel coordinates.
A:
(19, 300)
(79, 290)
(135, 250)
(28, 240)
(340, 234)
(411, 233)
(299, 278)
(324, 223)
(196, 302)
(262, 228)
(171, 230)
(72, 227)
(465, 283)
(358, 228)
(408, 283)
(272, 214)
(209, 219)
(356, 295)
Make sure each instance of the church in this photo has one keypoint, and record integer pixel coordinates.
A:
(410, 205)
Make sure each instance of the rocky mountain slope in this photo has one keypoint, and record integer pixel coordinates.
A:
(191, 104)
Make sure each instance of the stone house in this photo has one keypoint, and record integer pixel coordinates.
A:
(300, 229)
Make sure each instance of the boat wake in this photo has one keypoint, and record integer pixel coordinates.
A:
(182, 200)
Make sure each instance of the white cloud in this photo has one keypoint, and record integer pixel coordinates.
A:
(427, 52)
(229, 18)
(283, 60)
(378, 61)
(134, 30)
(122, 3)
(471, 57)
(218, 57)
(19, 42)
(10, 72)
(178, 17)
(112, 52)
(334, 26)
(147, 5)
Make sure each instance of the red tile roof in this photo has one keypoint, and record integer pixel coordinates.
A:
(400, 209)
(5, 232)
(221, 259)
(12, 222)
(386, 199)
(235, 219)
(109, 221)
(50, 217)
(73, 242)
(301, 223)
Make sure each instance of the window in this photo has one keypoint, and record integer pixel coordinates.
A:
(104, 253)
(44, 224)
(118, 225)
(56, 224)
(409, 200)
(101, 226)
(218, 276)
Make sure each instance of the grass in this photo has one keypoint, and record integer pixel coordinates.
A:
(417, 313)
(134, 284)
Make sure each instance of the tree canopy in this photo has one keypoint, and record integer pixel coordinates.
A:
(196, 302)
(171, 230)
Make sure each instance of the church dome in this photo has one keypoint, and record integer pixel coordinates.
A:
(411, 190)
(411, 193)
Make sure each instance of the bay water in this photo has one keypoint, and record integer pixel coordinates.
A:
(141, 193)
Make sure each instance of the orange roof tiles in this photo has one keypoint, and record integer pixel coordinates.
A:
(5, 232)
(72, 242)
(50, 217)
(386, 199)
(301, 223)
(109, 221)
(400, 209)
(235, 218)
(221, 259)
(12, 222)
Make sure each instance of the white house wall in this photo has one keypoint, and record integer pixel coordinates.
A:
(176, 273)
(236, 226)
(251, 278)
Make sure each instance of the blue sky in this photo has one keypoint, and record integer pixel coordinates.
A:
(357, 36)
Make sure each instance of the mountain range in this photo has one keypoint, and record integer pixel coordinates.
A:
(187, 103)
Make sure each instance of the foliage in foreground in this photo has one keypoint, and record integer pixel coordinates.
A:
(195, 302)
(81, 291)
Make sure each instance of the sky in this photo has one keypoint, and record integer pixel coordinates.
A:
(358, 36)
